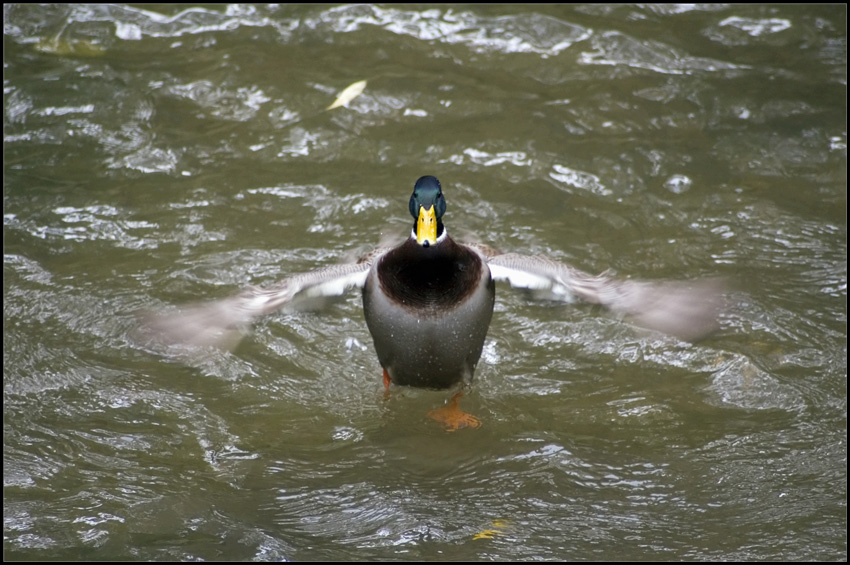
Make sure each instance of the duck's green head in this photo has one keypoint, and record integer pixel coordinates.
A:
(427, 206)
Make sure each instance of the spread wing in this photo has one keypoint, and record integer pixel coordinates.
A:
(223, 323)
(687, 310)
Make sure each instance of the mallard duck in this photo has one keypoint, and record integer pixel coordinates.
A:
(428, 302)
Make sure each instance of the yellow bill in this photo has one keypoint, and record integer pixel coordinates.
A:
(426, 226)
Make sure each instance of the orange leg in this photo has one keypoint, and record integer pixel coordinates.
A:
(387, 381)
(452, 417)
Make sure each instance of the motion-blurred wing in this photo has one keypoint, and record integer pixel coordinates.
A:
(687, 310)
(223, 323)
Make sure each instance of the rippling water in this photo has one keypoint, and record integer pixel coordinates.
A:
(153, 158)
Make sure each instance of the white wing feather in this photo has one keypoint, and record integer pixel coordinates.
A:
(687, 310)
(223, 323)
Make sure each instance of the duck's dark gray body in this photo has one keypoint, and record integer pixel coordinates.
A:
(428, 310)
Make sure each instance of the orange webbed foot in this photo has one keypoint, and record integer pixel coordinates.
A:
(452, 417)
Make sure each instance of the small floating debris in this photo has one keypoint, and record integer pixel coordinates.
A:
(70, 47)
(498, 526)
(351, 92)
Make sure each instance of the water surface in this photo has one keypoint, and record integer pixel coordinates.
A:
(159, 155)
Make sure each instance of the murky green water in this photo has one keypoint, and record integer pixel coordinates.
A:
(155, 156)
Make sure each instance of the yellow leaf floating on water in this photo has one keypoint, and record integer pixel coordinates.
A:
(350, 93)
(488, 534)
(485, 534)
(70, 47)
